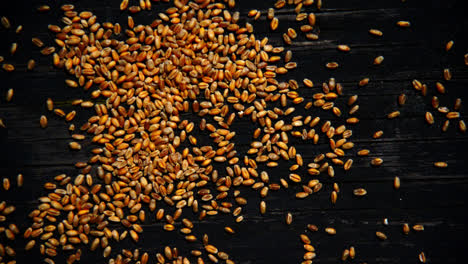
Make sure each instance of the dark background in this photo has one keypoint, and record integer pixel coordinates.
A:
(430, 196)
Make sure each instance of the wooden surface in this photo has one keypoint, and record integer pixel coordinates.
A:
(430, 196)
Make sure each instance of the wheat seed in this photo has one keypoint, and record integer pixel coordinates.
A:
(440, 164)
(289, 218)
(345, 48)
(359, 192)
(393, 114)
(43, 121)
(447, 74)
(330, 230)
(381, 235)
(378, 134)
(378, 60)
(422, 257)
(462, 126)
(403, 24)
(9, 95)
(396, 182)
(5, 22)
(429, 118)
(449, 45)
(332, 65)
(376, 32)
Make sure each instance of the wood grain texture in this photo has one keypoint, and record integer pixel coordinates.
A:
(431, 196)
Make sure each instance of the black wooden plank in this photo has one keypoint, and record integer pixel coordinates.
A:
(431, 196)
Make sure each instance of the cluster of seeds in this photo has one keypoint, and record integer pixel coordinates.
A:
(13, 49)
(310, 250)
(348, 253)
(444, 111)
(10, 231)
(8, 67)
(148, 164)
(310, 30)
(170, 255)
(222, 74)
(139, 5)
